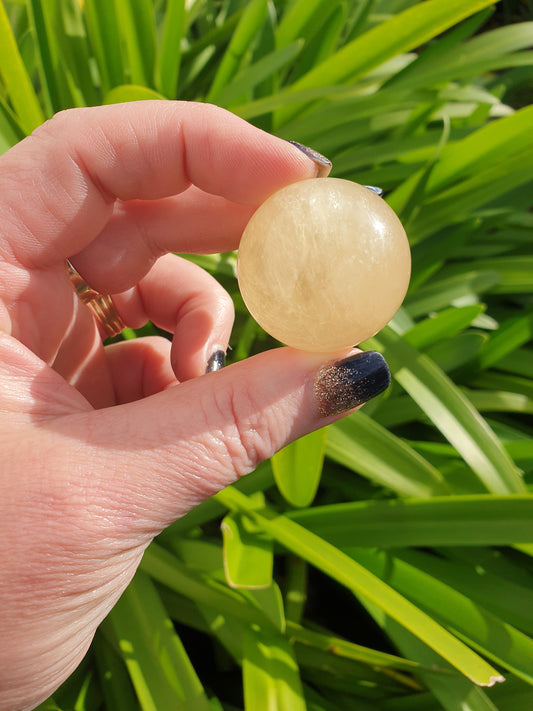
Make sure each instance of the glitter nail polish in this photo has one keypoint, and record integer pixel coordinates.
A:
(344, 384)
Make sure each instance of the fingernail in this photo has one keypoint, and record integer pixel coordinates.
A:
(378, 191)
(324, 165)
(343, 385)
(216, 361)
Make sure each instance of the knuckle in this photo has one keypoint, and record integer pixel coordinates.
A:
(245, 433)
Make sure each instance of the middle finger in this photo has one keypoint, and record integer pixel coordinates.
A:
(140, 231)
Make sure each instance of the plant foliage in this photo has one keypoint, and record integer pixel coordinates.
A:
(384, 563)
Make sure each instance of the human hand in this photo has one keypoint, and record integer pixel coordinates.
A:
(102, 447)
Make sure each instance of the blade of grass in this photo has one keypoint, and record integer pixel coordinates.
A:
(357, 579)
(452, 414)
(511, 333)
(451, 691)
(136, 26)
(339, 647)
(506, 599)
(297, 18)
(249, 25)
(442, 291)
(248, 553)
(116, 685)
(492, 636)
(55, 86)
(361, 444)
(16, 80)
(270, 674)
(206, 590)
(159, 667)
(74, 51)
(10, 130)
(298, 467)
(403, 32)
(103, 32)
(169, 55)
(130, 92)
(446, 324)
(249, 77)
(439, 521)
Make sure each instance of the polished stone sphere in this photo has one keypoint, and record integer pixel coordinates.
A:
(323, 264)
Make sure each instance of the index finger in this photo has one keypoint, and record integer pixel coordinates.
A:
(58, 186)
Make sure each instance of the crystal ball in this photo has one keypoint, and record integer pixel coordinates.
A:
(323, 264)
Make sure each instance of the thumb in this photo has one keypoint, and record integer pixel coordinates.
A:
(155, 459)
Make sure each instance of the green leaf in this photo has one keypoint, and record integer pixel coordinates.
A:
(203, 589)
(297, 18)
(270, 674)
(441, 292)
(494, 637)
(248, 553)
(452, 692)
(130, 92)
(169, 55)
(114, 679)
(54, 74)
(10, 131)
(439, 521)
(445, 324)
(245, 33)
(136, 26)
(361, 444)
(249, 77)
(298, 466)
(74, 50)
(159, 667)
(452, 353)
(16, 80)
(104, 36)
(446, 59)
(452, 414)
(339, 647)
(401, 33)
(360, 581)
(511, 333)
(511, 601)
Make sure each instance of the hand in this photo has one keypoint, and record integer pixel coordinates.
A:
(101, 448)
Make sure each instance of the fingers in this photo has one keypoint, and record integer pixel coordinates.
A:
(70, 171)
(140, 231)
(180, 298)
(170, 451)
(139, 368)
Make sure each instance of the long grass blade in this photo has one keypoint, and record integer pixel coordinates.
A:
(452, 414)
(357, 579)
(245, 33)
(401, 33)
(159, 667)
(169, 55)
(18, 85)
(439, 521)
(298, 466)
(363, 445)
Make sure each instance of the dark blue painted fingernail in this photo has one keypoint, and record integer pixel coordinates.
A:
(347, 383)
(324, 165)
(216, 361)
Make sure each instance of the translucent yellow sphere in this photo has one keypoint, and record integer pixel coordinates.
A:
(323, 264)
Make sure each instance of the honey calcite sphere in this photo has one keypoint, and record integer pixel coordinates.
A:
(323, 264)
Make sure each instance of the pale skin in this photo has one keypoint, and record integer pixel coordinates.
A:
(102, 447)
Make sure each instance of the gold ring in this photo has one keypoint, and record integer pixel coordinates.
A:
(100, 304)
